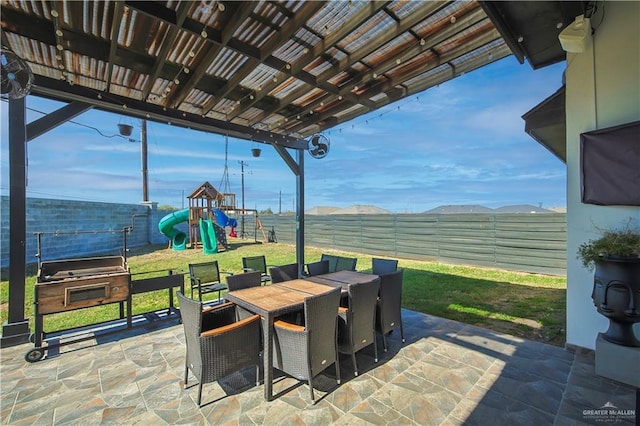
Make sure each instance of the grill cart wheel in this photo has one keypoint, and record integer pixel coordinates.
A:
(34, 355)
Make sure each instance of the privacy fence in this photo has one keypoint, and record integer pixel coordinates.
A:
(72, 229)
(521, 242)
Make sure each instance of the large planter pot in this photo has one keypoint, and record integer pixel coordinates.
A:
(616, 295)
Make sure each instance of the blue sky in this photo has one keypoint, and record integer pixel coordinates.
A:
(462, 142)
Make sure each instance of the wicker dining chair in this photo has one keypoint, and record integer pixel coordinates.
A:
(356, 323)
(383, 266)
(256, 263)
(283, 273)
(304, 351)
(331, 260)
(346, 263)
(218, 342)
(318, 268)
(389, 305)
(244, 280)
(339, 263)
(205, 278)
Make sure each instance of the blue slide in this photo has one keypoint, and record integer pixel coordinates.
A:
(223, 220)
(167, 227)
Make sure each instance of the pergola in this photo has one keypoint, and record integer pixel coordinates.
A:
(274, 72)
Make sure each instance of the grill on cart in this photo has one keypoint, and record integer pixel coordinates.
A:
(70, 284)
(66, 285)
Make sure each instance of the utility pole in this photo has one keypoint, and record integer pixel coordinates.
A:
(125, 130)
(143, 154)
(242, 233)
(280, 203)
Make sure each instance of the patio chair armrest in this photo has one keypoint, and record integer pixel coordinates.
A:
(213, 309)
(289, 326)
(217, 316)
(230, 327)
(226, 272)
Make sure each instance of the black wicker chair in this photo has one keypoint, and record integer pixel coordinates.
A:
(331, 260)
(318, 268)
(388, 310)
(383, 266)
(205, 278)
(339, 263)
(218, 341)
(356, 323)
(284, 273)
(256, 263)
(304, 351)
(244, 280)
(346, 264)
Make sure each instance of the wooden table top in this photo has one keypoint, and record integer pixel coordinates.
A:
(306, 286)
(276, 297)
(289, 295)
(351, 277)
(343, 278)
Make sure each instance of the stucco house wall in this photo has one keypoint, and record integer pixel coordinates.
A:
(603, 90)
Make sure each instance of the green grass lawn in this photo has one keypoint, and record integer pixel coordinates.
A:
(526, 305)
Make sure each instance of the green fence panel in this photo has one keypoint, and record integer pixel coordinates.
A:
(523, 242)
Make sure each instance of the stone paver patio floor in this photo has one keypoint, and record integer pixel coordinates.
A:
(447, 373)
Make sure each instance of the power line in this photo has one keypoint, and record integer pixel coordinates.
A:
(82, 124)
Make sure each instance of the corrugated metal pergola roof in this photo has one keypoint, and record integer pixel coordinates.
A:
(272, 71)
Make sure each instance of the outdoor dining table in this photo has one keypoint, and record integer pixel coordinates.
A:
(270, 302)
(275, 300)
(342, 279)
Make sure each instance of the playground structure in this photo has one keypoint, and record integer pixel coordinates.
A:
(207, 216)
(202, 229)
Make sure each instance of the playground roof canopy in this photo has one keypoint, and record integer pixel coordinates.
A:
(270, 71)
(205, 191)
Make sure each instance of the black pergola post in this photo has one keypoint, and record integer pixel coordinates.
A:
(16, 329)
(298, 169)
(300, 213)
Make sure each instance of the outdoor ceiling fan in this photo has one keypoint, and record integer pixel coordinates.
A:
(318, 146)
(17, 77)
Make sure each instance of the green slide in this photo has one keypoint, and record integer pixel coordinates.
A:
(208, 237)
(167, 227)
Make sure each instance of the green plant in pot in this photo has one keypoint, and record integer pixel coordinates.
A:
(616, 285)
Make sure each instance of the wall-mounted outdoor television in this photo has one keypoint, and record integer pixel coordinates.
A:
(610, 165)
